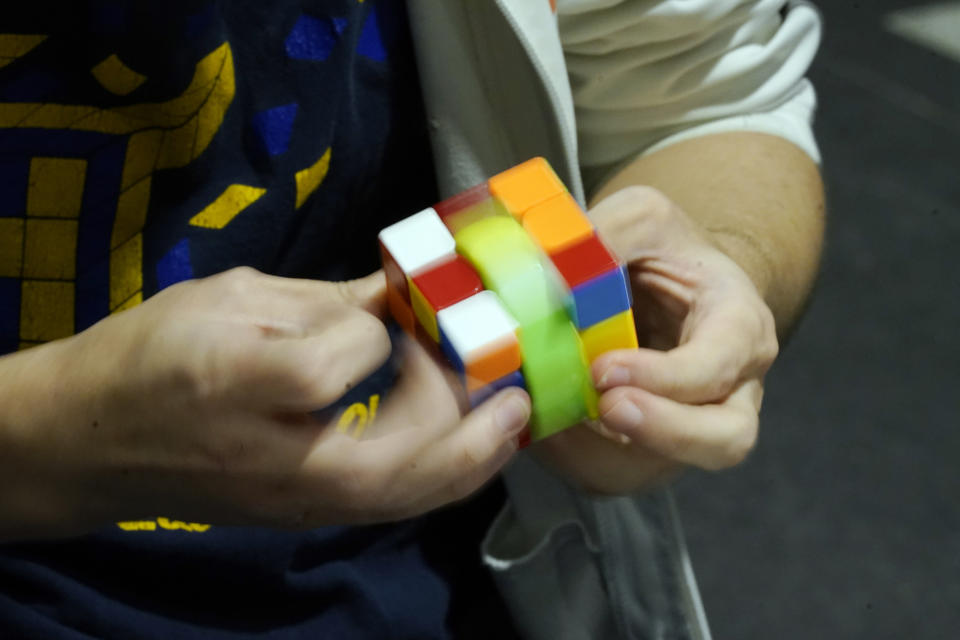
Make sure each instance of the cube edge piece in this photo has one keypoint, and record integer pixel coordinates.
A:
(399, 237)
(541, 222)
(465, 343)
(592, 249)
(587, 315)
(616, 332)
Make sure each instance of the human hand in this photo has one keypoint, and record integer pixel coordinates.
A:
(691, 394)
(196, 405)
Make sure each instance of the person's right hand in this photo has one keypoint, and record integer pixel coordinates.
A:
(196, 405)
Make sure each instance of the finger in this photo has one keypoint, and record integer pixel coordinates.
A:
(419, 410)
(460, 464)
(720, 351)
(418, 456)
(626, 467)
(713, 436)
(425, 398)
(310, 372)
(367, 293)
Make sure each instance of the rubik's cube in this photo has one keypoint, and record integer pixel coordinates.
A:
(511, 282)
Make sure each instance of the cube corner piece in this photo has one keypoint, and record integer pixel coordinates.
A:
(418, 242)
(525, 185)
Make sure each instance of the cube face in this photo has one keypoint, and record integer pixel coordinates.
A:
(616, 332)
(440, 287)
(500, 359)
(449, 283)
(584, 261)
(481, 395)
(481, 338)
(557, 223)
(509, 281)
(425, 314)
(599, 298)
(419, 242)
(526, 185)
(401, 310)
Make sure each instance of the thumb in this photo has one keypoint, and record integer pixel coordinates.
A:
(368, 293)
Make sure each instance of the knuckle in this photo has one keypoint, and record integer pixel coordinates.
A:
(368, 330)
(242, 273)
(771, 344)
(239, 280)
(740, 444)
(653, 203)
(708, 383)
(723, 380)
(632, 216)
(769, 352)
(653, 198)
(635, 202)
(648, 197)
(766, 346)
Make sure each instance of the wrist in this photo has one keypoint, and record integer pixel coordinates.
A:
(750, 254)
(45, 491)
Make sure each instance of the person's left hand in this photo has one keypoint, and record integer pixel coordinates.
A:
(691, 394)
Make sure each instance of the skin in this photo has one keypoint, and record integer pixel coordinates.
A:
(195, 404)
(723, 243)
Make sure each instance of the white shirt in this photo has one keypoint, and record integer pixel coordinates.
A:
(647, 74)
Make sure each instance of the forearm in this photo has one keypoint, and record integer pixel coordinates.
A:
(758, 198)
(37, 496)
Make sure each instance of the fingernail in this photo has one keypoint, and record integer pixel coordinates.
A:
(602, 429)
(615, 376)
(625, 412)
(512, 414)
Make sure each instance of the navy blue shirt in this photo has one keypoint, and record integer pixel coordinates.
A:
(144, 143)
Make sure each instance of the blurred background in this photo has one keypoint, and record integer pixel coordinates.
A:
(845, 521)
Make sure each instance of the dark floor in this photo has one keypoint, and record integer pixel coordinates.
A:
(845, 522)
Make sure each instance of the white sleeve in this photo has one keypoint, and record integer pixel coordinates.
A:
(648, 73)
